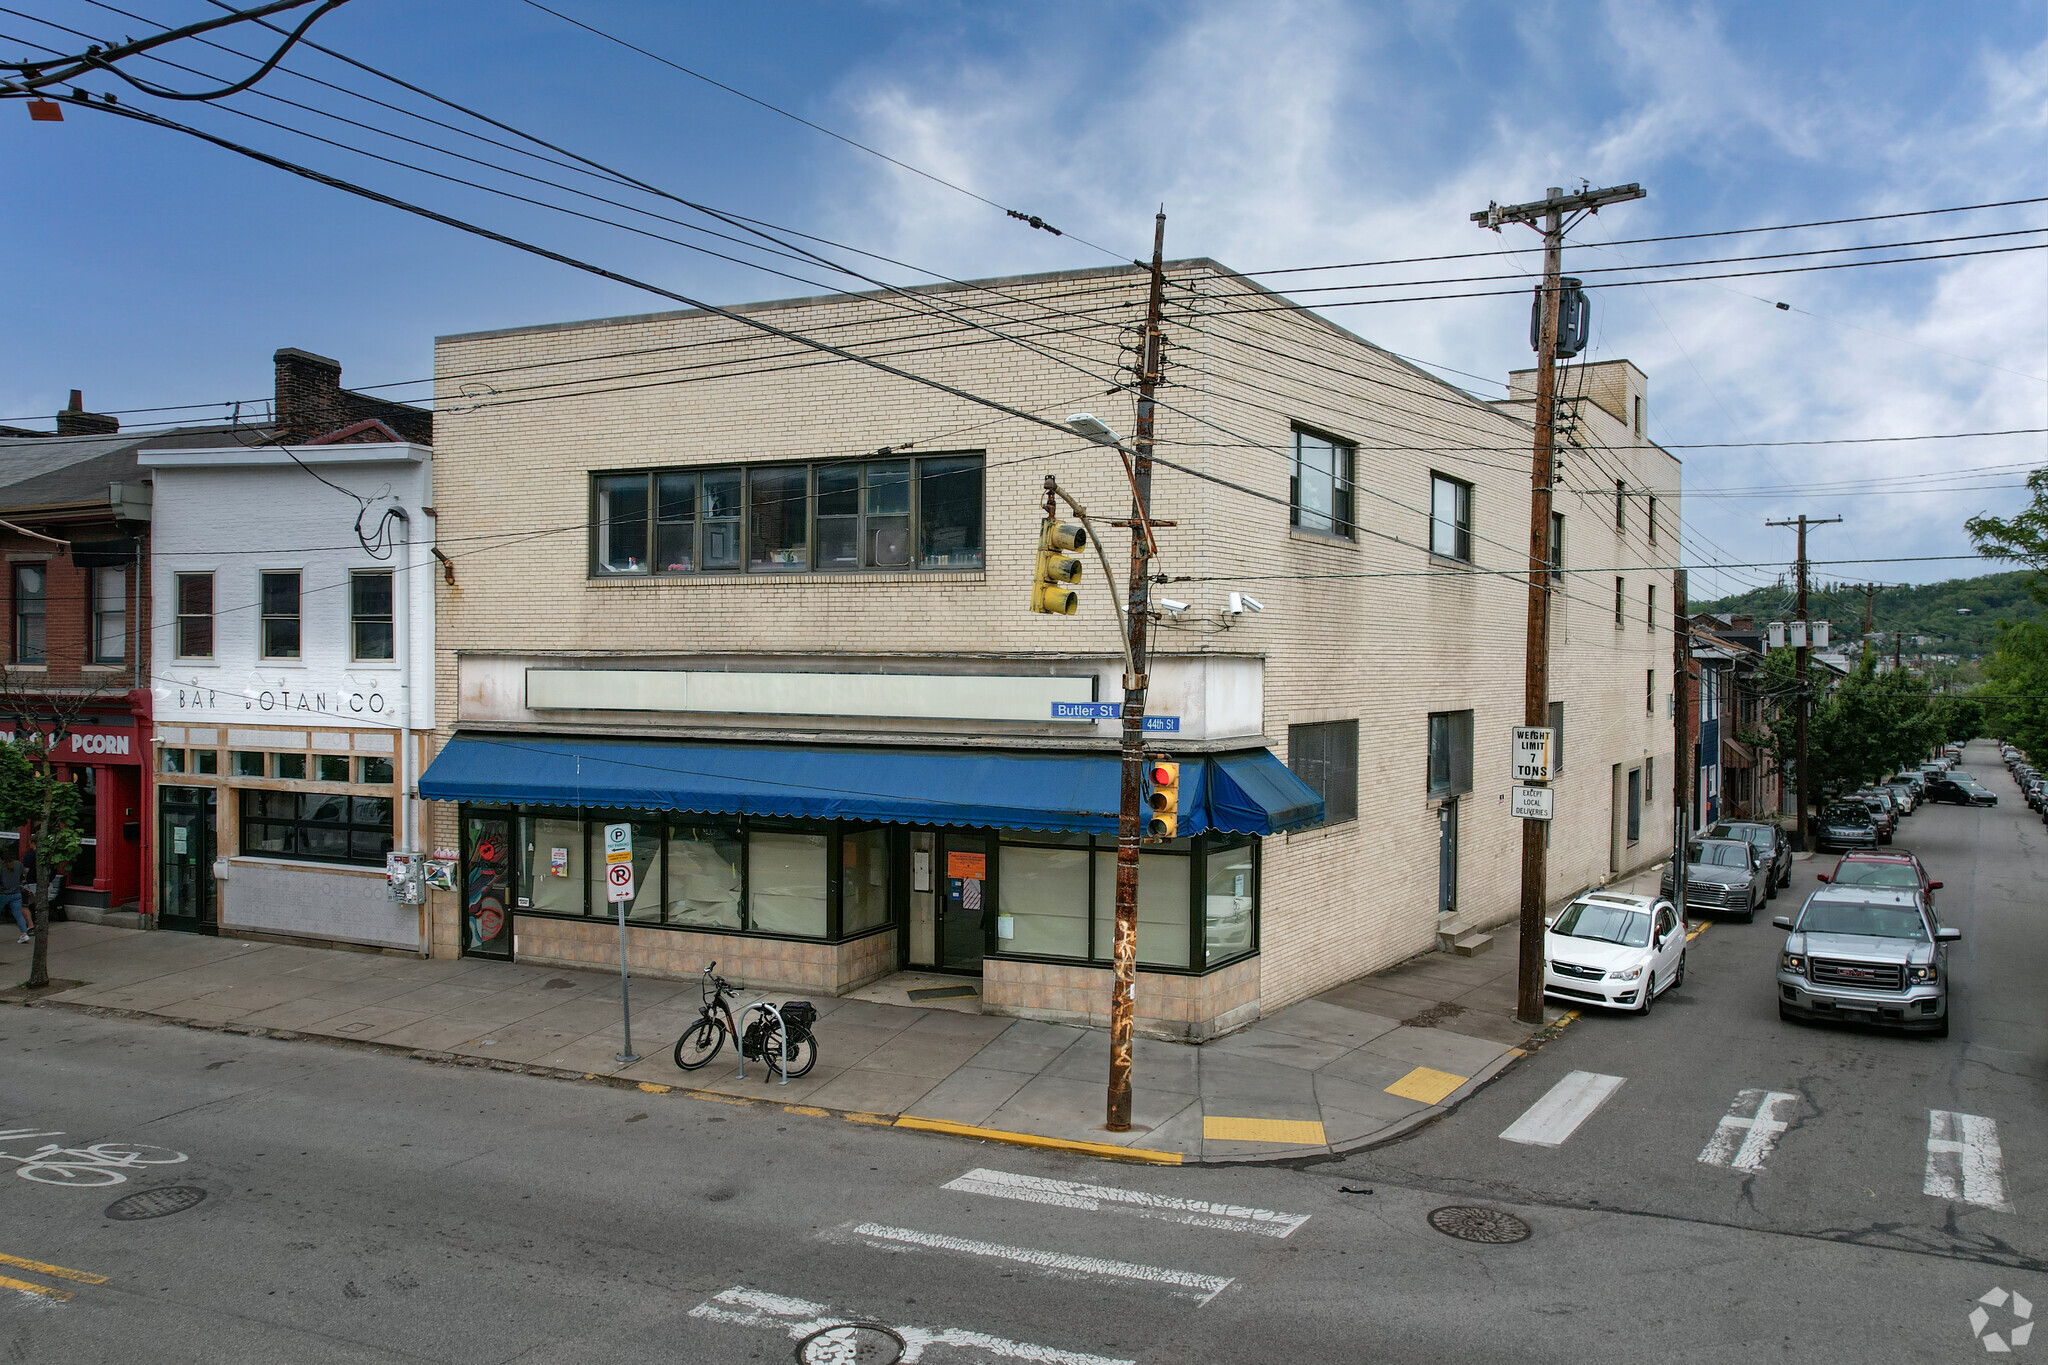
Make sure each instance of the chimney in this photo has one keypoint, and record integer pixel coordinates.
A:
(76, 421)
(309, 400)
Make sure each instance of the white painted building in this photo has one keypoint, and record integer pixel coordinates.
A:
(292, 670)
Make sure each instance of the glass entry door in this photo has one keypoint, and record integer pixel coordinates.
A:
(487, 887)
(184, 846)
(964, 909)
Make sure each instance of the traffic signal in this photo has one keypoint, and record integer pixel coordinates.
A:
(1162, 795)
(1057, 567)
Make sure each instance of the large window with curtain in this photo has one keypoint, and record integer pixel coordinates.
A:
(1197, 899)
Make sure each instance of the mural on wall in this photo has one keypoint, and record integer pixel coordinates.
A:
(487, 925)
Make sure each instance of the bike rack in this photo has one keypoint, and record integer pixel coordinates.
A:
(781, 1031)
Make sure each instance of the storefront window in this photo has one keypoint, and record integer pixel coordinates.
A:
(244, 763)
(1229, 900)
(786, 883)
(704, 877)
(552, 879)
(863, 880)
(1044, 898)
(171, 761)
(333, 768)
(1163, 890)
(290, 767)
(206, 762)
(314, 827)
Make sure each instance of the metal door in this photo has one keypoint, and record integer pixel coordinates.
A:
(185, 847)
(1447, 858)
(964, 910)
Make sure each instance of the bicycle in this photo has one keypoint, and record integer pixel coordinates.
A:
(762, 1039)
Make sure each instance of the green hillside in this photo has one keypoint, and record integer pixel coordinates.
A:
(1930, 609)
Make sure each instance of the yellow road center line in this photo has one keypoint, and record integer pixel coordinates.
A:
(25, 1287)
(61, 1272)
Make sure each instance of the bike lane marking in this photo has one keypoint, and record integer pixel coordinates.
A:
(95, 1165)
(1964, 1162)
(1745, 1141)
(1075, 1194)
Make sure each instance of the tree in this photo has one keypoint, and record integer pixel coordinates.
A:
(2021, 538)
(32, 795)
(1865, 727)
(2015, 694)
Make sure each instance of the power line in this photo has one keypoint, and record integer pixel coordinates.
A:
(1019, 214)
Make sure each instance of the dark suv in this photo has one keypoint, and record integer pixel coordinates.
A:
(1965, 792)
(1773, 849)
(1846, 825)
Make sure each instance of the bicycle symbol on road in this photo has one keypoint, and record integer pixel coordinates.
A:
(100, 1163)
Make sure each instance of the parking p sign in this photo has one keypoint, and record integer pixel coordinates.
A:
(618, 863)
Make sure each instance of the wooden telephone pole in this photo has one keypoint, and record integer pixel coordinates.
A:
(1130, 824)
(1550, 212)
(1802, 784)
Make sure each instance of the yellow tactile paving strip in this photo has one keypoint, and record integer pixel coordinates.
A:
(1426, 1086)
(1293, 1132)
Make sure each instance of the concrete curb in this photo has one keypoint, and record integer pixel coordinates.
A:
(1394, 1132)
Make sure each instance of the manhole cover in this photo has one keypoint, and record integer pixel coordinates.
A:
(1472, 1224)
(851, 1343)
(156, 1203)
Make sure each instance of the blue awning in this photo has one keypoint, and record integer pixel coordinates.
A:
(968, 787)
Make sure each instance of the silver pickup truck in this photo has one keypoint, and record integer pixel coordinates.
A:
(1866, 954)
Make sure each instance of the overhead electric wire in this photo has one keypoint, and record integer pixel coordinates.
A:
(1032, 219)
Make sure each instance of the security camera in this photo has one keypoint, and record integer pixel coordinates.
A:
(1168, 605)
(1237, 604)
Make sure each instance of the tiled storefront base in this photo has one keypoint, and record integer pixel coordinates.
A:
(1189, 1008)
(776, 964)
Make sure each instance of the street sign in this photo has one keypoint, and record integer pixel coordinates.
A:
(1087, 710)
(618, 863)
(1167, 723)
(1530, 754)
(1532, 803)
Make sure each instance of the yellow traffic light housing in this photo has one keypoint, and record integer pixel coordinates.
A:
(1057, 567)
(1162, 796)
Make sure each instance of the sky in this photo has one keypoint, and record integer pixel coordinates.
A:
(149, 269)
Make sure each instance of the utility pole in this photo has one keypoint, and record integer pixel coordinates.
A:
(1681, 710)
(1803, 785)
(1130, 823)
(1869, 604)
(1550, 211)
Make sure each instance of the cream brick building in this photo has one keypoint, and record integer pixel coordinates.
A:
(699, 569)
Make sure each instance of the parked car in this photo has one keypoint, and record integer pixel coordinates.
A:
(1894, 867)
(1846, 824)
(1903, 792)
(1773, 849)
(1615, 950)
(1866, 954)
(1721, 874)
(1882, 811)
(1960, 791)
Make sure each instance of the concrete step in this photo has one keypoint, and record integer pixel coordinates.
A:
(112, 919)
(1471, 945)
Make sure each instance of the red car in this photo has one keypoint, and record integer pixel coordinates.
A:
(1893, 867)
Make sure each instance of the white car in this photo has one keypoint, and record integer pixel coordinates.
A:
(1616, 950)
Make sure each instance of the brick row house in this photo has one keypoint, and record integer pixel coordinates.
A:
(770, 612)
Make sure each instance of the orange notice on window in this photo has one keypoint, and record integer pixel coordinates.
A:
(971, 867)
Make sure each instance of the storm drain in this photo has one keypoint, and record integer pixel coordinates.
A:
(157, 1203)
(1471, 1223)
(851, 1343)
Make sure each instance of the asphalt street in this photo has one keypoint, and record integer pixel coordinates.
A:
(360, 1207)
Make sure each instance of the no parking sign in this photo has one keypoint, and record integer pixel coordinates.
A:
(618, 863)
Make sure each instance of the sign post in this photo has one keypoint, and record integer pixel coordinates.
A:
(618, 889)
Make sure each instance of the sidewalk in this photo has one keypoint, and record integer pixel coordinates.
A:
(1360, 1064)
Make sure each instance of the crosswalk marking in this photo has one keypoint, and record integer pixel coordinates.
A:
(800, 1318)
(1963, 1160)
(1744, 1140)
(1075, 1194)
(1569, 1103)
(1187, 1283)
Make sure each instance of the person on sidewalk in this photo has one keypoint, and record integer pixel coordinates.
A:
(10, 891)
